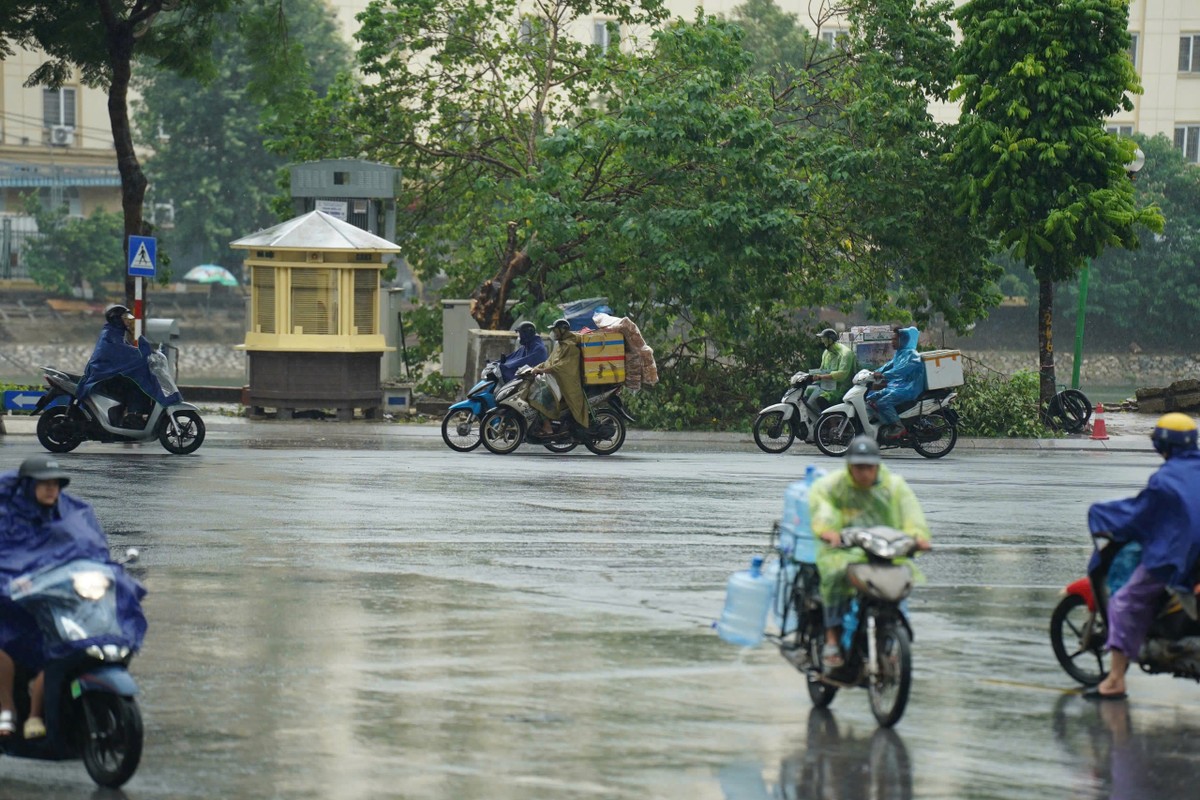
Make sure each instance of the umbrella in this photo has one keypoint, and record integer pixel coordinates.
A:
(211, 273)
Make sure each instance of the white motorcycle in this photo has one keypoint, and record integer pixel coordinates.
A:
(98, 417)
(931, 424)
(778, 425)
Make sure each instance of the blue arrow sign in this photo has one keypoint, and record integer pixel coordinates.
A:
(142, 256)
(21, 399)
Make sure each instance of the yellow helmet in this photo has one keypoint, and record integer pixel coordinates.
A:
(1174, 432)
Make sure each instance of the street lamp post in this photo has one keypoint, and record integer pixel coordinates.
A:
(1132, 168)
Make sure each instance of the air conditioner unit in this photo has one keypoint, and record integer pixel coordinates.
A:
(62, 135)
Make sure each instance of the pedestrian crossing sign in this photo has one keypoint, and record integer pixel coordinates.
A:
(142, 256)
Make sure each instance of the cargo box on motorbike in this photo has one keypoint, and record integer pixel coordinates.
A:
(603, 355)
(943, 368)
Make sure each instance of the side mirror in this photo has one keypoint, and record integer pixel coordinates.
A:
(131, 556)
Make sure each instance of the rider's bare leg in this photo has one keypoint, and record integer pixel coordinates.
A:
(1114, 682)
(7, 674)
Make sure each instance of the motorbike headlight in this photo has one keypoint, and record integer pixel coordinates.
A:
(94, 651)
(90, 585)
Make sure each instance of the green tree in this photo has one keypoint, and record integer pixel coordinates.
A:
(209, 157)
(71, 251)
(1036, 80)
(100, 39)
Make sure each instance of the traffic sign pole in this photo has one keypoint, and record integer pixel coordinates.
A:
(137, 307)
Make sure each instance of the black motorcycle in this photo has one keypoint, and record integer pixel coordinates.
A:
(90, 708)
(879, 657)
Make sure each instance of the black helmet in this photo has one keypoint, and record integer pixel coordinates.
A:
(863, 450)
(560, 323)
(43, 468)
(829, 335)
(116, 313)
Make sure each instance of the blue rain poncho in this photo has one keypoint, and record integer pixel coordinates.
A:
(1164, 519)
(113, 357)
(905, 373)
(529, 354)
(33, 538)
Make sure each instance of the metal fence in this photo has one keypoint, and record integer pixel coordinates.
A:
(12, 248)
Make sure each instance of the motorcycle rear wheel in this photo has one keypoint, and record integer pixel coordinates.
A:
(610, 445)
(55, 431)
(560, 447)
(112, 743)
(833, 433)
(889, 687)
(190, 436)
(1070, 620)
(502, 430)
(934, 435)
(773, 433)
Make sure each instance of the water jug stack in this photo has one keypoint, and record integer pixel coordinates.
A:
(795, 529)
(747, 601)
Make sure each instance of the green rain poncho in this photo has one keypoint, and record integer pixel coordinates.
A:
(841, 364)
(835, 502)
(565, 365)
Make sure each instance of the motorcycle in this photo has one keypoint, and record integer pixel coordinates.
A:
(876, 637)
(99, 418)
(1079, 624)
(932, 426)
(778, 425)
(90, 707)
(460, 426)
(514, 420)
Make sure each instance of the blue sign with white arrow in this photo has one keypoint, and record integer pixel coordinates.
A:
(142, 256)
(21, 399)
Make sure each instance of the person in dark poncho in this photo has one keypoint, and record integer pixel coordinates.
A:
(43, 527)
(1165, 520)
(530, 352)
(119, 370)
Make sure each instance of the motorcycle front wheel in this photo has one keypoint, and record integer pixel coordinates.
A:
(833, 433)
(460, 430)
(773, 433)
(190, 435)
(1069, 624)
(934, 435)
(56, 432)
(819, 692)
(112, 743)
(502, 430)
(888, 687)
(608, 444)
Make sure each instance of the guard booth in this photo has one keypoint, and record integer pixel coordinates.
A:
(314, 339)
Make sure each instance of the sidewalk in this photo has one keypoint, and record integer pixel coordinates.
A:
(1127, 431)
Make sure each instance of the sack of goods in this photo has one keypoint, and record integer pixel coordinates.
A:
(638, 366)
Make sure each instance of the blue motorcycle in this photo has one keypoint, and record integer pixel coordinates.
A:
(460, 426)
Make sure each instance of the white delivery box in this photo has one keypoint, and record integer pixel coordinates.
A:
(943, 368)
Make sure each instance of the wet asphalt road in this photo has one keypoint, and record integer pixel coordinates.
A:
(353, 616)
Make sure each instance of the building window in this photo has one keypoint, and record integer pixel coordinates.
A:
(314, 301)
(835, 37)
(366, 301)
(1134, 41)
(341, 179)
(1189, 53)
(1120, 130)
(1187, 139)
(604, 33)
(58, 107)
(263, 287)
(533, 29)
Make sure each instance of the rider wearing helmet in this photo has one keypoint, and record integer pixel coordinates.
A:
(863, 494)
(905, 376)
(41, 526)
(1164, 519)
(564, 370)
(531, 350)
(838, 365)
(118, 369)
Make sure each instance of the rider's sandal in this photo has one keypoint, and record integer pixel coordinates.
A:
(35, 728)
(831, 656)
(7, 724)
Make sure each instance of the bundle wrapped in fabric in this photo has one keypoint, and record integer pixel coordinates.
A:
(640, 368)
(649, 368)
(633, 370)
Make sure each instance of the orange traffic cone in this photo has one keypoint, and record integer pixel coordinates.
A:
(1099, 431)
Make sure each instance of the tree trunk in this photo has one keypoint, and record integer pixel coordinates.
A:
(488, 303)
(133, 180)
(1047, 385)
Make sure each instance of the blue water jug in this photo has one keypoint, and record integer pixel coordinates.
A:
(782, 575)
(795, 528)
(747, 600)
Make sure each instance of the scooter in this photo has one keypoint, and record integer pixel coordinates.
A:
(931, 424)
(99, 418)
(876, 636)
(1079, 624)
(514, 420)
(778, 425)
(90, 706)
(460, 426)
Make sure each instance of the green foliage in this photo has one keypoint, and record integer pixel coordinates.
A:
(993, 405)
(71, 250)
(424, 323)
(437, 385)
(269, 58)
